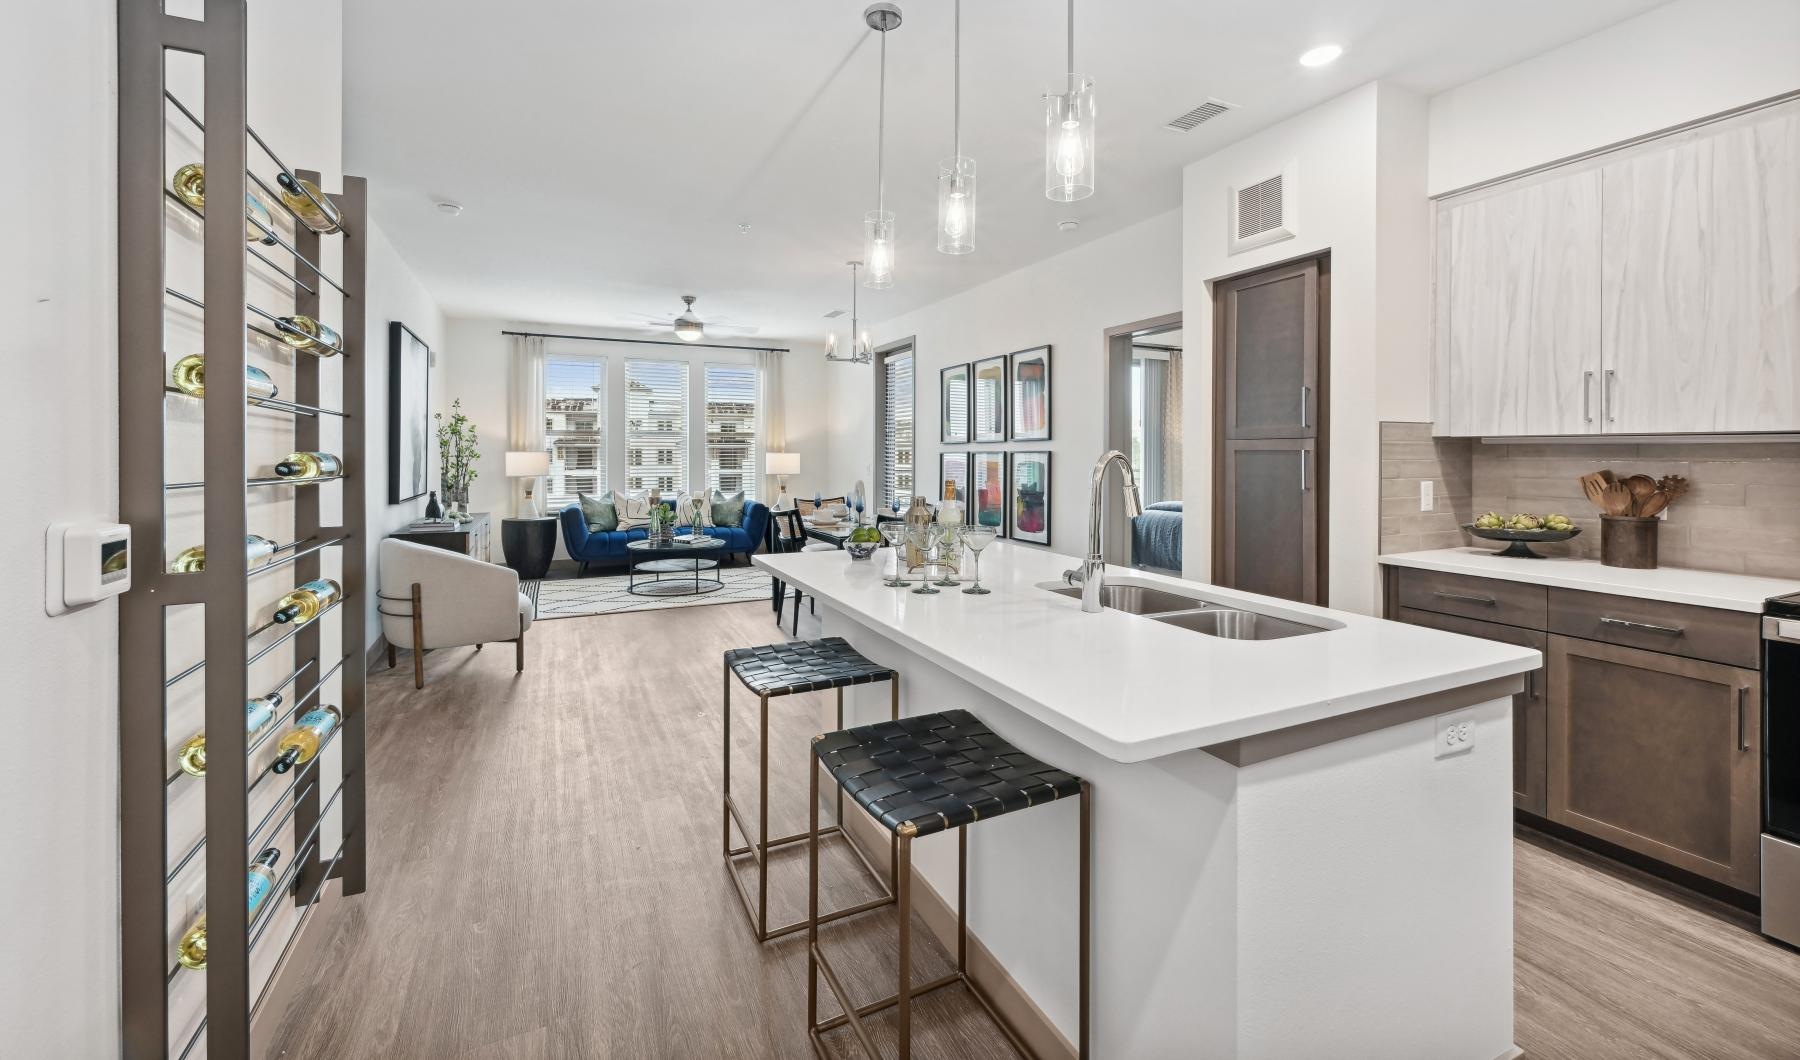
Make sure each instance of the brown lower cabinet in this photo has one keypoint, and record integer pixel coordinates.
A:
(1658, 754)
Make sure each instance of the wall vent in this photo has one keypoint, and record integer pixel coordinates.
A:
(1207, 111)
(1262, 212)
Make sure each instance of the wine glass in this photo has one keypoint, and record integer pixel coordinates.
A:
(894, 533)
(947, 544)
(977, 538)
(924, 538)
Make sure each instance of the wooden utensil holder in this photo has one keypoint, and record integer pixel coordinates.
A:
(1628, 541)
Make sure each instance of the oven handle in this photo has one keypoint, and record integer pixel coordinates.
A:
(1772, 629)
(1743, 740)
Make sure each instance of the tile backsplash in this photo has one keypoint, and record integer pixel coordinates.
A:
(1741, 514)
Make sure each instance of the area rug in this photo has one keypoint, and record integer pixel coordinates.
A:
(604, 594)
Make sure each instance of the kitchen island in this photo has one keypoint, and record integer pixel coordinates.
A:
(1288, 861)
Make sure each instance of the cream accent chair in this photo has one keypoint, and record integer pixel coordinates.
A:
(434, 598)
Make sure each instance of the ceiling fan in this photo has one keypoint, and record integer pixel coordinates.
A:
(687, 325)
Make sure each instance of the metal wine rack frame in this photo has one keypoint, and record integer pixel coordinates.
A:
(146, 34)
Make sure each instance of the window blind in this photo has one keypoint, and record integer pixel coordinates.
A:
(731, 399)
(656, 426)
(897, 429)
(574, 427)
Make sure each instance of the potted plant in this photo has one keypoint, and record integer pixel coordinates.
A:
(662, 524)
(458, 449)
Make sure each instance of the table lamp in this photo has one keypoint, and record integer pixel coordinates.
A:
(528, 466)
(781, 465)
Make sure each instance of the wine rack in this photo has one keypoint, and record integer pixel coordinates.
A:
(195, 645)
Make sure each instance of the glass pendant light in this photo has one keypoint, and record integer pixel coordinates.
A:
(956, 174)
(878, 224)
(1069, 133)
(861, 352)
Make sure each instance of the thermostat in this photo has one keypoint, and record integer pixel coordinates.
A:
(84, 564)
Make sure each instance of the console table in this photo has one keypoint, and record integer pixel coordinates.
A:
(471, 538)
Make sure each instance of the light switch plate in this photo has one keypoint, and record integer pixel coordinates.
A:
(1427, 495)
(1455, 735)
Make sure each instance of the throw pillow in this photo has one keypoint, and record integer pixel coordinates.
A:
(690, 505)
(602, 516)
(633, 508)
(728, 511)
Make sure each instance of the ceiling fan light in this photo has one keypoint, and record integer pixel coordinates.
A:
(688, 329)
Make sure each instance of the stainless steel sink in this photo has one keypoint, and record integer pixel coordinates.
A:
(1232, 624)
(1134, 599)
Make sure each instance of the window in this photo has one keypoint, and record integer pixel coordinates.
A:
(656, 426)
(731, 429)
(574, 427)
(896, 399)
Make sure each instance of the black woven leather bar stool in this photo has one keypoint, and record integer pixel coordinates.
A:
(784, 670)
(919, 776)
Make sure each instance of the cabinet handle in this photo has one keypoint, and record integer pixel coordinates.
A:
(1305, 405)
(1487, 600)
(1531, 684)
(1587, 397)
(1606, 395)
(1743, 740)
(1673, 631)
(1302, 471)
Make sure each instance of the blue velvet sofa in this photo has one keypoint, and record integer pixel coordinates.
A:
(608, 547)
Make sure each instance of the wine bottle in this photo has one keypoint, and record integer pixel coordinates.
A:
(189, 186)
(309, 336)
(309, 465)
(303, 742)
(189, 377)
(257, 713)
(306, 601)
(315, 210)
(191, 951)
(193, 558)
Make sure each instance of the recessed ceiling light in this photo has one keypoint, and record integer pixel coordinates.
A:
(1323, 55)
(1068, 226)
(744, 228)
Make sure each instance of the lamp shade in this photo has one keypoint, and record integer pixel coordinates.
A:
(783, 464)
(528, 464)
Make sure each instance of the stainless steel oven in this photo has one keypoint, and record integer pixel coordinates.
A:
(1781, 770)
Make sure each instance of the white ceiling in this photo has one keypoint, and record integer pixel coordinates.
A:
(607, 152)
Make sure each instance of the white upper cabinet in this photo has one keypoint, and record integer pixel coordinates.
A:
(1701, 321)
(1519, 328)
(1655, 290)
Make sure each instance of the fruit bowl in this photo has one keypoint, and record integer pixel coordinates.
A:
(1519, 541)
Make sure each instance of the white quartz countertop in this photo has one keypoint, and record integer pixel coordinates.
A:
(1132, 688)
(1735, 592)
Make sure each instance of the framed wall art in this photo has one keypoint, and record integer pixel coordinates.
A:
(988, 400)
(953, 405)
(1030, 370)
(409, 414)
(1030, 492)
(987, 490)
(954, 468)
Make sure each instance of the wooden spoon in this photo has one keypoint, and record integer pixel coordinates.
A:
(1594, 485)
(1673, 485)
(1641, 487)
(1617, 500)
(1653, 504)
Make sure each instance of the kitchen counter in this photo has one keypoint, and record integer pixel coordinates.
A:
(1287, 859)
(1132, 688)
(1733, 592)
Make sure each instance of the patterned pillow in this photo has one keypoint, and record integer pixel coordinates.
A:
(602, 516)
(728, 511)
(633, 508)
(685, 509)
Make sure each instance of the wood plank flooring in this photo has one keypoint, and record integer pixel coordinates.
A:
(545, 882)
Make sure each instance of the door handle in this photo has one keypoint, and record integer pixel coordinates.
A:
(1305, 405)
(1606, 395)
(1673, 631)
(1743, 738)
(1485, 600)
(1587, 397)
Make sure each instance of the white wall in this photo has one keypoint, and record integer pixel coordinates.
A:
(1358, 193)
(1671, 65)
(474, 364)
(1067, 301)
(394, 293)
(58, 279)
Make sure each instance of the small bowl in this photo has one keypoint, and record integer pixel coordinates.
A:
(1519, 541)
(861, 549)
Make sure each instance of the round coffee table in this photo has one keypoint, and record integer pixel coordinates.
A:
(683, 559)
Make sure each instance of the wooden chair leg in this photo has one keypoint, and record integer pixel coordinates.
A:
(418, 624)
(393, 658)
(477, 647)
(519, 655)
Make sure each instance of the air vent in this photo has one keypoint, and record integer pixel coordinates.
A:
(1207, 111)
(834, 314)
(1262, 212)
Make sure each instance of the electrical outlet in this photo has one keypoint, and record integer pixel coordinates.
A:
(1455, 735)
(1427, 495)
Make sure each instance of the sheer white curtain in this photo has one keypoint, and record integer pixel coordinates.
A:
(525, 417)
(773, 427)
